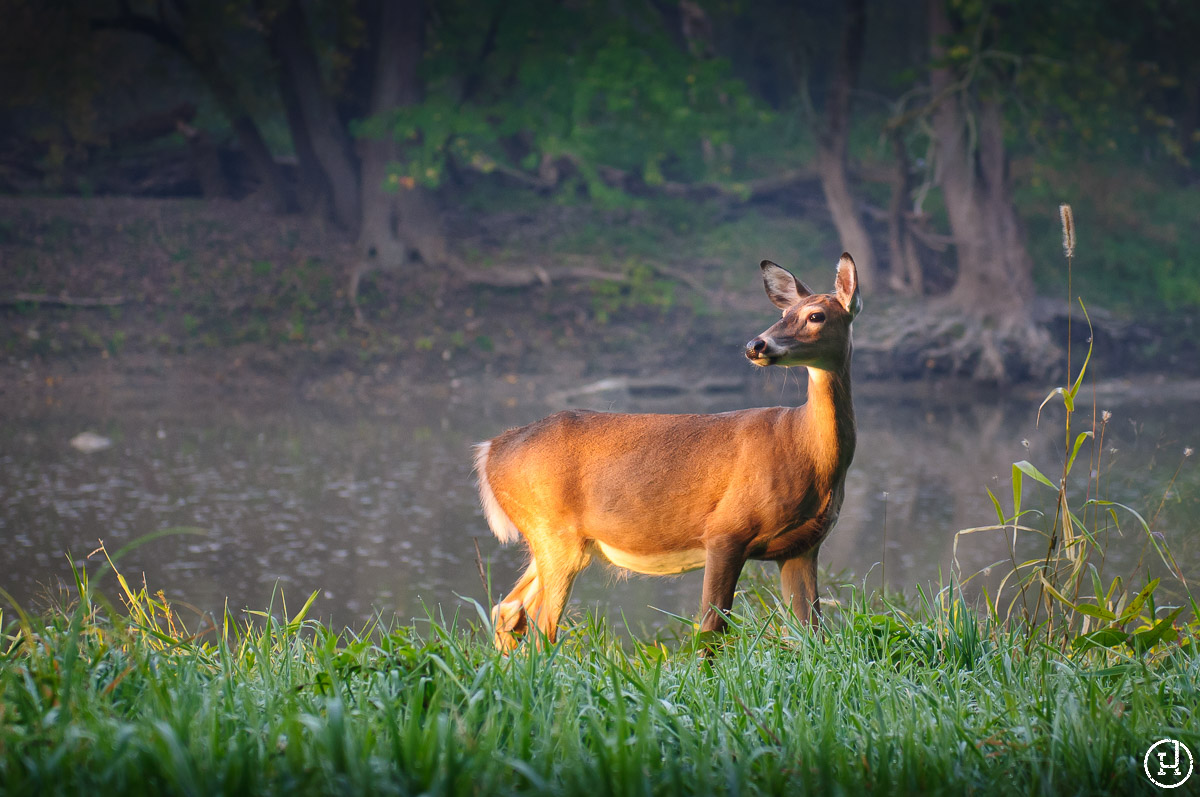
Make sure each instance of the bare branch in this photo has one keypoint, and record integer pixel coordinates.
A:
(156, 29)
(63, 301)
(518, 277)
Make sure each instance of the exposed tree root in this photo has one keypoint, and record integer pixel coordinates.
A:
(909, 340)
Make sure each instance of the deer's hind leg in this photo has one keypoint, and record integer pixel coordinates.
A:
(509, 617)
(560, 559)
(541, 593)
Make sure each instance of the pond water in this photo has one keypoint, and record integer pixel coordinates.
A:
(377, 508)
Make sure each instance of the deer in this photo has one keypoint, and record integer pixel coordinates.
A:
(661, 494)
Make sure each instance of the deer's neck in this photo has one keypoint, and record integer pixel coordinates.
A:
(827, 419)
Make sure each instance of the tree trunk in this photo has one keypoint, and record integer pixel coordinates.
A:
(905, 276)
(831, 153)
(206, 161)
(313, 188)
(205, 62)
(995, 273)
(319, 127)
(273, 182)
(402, 222)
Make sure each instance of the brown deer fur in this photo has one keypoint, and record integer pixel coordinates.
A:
(664, 494)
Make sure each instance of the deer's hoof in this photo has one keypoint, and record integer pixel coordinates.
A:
(510, 623)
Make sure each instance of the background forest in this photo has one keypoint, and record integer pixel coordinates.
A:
(642, 152)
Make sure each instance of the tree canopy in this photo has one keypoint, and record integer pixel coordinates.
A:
(924, 124)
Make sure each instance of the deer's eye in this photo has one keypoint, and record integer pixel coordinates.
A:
(816, 318)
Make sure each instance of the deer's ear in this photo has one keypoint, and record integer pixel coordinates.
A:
(782, 286)
(847, 285)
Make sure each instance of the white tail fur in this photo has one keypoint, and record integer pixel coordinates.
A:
(499, 522)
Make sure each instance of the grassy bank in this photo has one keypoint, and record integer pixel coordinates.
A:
(932, 700)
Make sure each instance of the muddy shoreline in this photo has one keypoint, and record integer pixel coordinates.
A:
(219, 301)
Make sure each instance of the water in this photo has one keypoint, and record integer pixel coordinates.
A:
(375, 507)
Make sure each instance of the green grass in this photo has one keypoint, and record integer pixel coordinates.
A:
(935, 700)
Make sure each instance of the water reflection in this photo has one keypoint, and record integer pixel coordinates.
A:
(378, 511)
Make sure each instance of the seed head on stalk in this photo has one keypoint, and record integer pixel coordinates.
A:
(1068, 228)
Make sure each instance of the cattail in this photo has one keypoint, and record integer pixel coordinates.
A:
(1068, 227)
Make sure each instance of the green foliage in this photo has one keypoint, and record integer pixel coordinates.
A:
(1091, 78)
(116, 342)
(644, 288)
(575, 82)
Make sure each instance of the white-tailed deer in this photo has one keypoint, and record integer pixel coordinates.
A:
(664, 494)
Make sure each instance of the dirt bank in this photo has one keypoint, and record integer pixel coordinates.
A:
(115, 295)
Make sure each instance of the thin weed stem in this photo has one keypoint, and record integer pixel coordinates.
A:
(1187, 452)
(883, 555)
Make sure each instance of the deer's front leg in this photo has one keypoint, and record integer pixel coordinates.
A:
(722, 566)
(798, 580)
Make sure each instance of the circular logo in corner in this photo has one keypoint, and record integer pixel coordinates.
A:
(1168, 763)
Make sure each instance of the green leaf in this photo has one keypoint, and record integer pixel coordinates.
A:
(1104, 638)
(1075, 450)
(888, 626)
(1135, 606)
(1058, 391)
(1112, 589)
(996, 504)
(1097, 584)
(1017, 483)
(1113, 671)
(296, 621)
(1162, 631)
(1099, 612)
(1079, 524)
(1079, 379)
(1051, 589)
(1032, 472)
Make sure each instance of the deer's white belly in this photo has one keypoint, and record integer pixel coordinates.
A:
(657, 564)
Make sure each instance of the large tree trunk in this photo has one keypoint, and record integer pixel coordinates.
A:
(201, 57)
(831, 153)
(318, 132)
(313, 187)
(398, 222)
(995, 274)
(259, 154)
(994, 286)
(905, 274)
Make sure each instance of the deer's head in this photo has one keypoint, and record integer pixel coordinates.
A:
(815, 328)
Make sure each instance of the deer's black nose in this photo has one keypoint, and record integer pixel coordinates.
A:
(756, 350)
